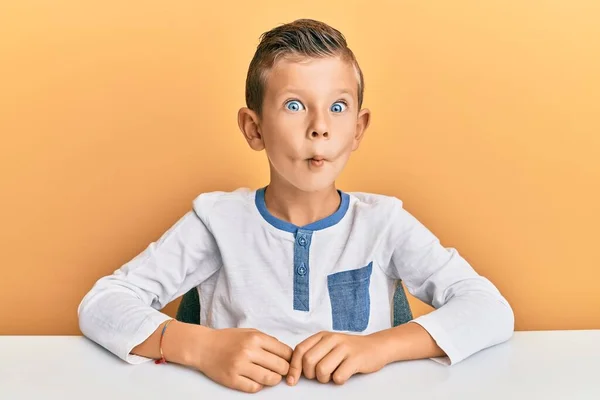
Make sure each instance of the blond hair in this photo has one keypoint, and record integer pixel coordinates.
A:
(303, 38)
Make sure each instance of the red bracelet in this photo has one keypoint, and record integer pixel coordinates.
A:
(162, 359)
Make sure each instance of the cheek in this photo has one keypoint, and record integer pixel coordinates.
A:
(341, 161)
(345, 125)
(346, 131)
(283, 136)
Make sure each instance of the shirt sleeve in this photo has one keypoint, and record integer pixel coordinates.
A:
(122, 310)
(470, 313)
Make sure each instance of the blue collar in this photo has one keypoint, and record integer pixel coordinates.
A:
(314, 226)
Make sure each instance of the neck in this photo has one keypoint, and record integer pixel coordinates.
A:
(298, 207)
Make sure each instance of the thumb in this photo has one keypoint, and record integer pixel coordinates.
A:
(294, 374)
(296, 361)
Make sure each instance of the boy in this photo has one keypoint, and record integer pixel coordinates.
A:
(297, 264)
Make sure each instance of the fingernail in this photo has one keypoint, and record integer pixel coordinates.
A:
(290, 380)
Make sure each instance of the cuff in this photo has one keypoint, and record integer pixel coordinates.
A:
(147, 328)
(441, 338)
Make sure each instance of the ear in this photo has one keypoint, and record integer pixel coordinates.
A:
(249, 124)
(362, 123)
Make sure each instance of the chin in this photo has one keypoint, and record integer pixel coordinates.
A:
(313, 186)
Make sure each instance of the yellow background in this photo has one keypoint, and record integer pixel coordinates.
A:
(114, 115)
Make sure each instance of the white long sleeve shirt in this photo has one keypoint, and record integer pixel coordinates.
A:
(253, 270)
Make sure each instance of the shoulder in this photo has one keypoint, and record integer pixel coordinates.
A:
(375, 203)
(221, 202)
(375, 211)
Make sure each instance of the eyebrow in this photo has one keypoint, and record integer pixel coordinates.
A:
(344, 91)
(300, 91)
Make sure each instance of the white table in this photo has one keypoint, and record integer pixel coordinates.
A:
(532, 365)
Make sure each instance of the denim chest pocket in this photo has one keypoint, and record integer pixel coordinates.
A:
(350, 299)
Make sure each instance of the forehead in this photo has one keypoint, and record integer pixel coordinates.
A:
(312, 75)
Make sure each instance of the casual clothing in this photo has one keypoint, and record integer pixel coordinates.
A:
(254, 270)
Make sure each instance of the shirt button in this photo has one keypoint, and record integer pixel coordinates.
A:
(302, 241)
(301, 270)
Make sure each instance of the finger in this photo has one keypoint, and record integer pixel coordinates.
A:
(260, 375)
(313, 356)
(296, 362)
(245, 384)
(274, 346)
(346, 369)
(329, 364)
(271, 362)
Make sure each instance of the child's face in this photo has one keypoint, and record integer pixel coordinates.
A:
(310, 121)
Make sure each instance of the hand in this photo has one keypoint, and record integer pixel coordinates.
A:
(241, 359)
(336, 356)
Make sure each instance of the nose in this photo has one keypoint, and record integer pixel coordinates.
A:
(318, 127)
(316, 134)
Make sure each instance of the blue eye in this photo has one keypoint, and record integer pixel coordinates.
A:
(338, 107)
(294, 105)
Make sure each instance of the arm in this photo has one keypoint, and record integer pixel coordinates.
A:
(470, 314)
(121, 313)
(176, 348)
(406, 342)
(241, 359)
(122, 310)
(333, 356)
